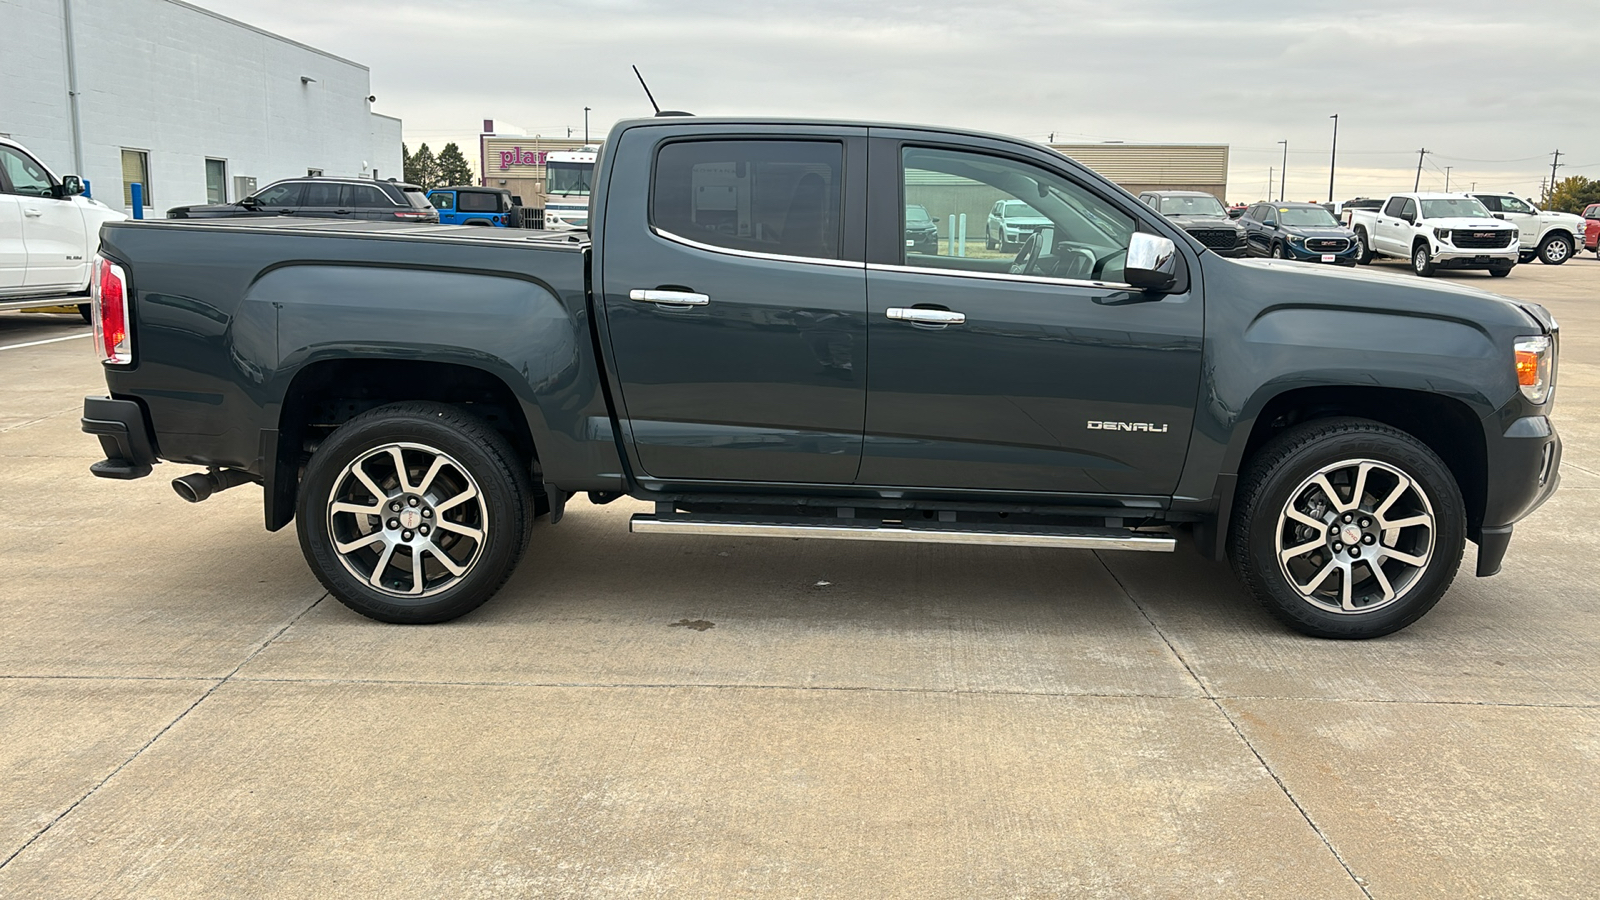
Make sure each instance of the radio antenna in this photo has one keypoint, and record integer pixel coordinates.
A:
(647, 93)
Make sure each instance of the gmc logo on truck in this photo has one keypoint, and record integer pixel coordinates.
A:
(1128, 426)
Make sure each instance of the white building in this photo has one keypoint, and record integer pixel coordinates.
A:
(196, 106)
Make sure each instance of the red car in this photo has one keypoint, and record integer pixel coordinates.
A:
(1591, 229)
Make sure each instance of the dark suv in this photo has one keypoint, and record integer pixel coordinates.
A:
(1203, 216)
(1303, 231)
(922, 232)
(324, 198)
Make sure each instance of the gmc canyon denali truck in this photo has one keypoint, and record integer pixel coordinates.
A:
(745, 340)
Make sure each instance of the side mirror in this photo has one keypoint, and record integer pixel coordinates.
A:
(1269, 223)
(1409, 217)
(70, 186)
(1500, 216)
(1152, 263)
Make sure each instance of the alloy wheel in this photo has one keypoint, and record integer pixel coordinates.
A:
(408, 519)
(1556, 251)
(1356, 536)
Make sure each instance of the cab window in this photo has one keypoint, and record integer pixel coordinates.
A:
(778, 197)
(281, 195)
(442, 200)
(322, 194)
(1049, 226)
(27, 176)
(478, 201)
(1513, 205)
(1408, 208)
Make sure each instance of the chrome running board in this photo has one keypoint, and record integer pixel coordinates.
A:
(930, 533)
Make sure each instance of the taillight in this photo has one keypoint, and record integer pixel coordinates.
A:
(110, 313)
(410, 215)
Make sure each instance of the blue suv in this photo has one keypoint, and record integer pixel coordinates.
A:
(483, 206)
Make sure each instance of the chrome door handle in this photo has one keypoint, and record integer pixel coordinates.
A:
(674, 298)
(925, 316)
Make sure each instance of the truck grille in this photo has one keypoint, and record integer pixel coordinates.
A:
(1327, 245)
(1480, 240)
(1216, 238)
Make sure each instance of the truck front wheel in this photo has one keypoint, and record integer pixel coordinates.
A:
(414, 512)
(1363, 247)
(1422, 260)
(1556, 249)
(1347, 528)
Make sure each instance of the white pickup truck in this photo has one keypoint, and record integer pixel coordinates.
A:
(1435, 231)
(1546, 234)
(48, 231)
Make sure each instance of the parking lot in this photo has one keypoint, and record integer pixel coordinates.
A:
(185, 713)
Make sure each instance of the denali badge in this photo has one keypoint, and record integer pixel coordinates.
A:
(1127, 426)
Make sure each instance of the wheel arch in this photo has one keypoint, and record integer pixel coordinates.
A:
(1448, 425)
(329, 392)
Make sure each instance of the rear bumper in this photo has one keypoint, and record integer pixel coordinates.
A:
(124, 437)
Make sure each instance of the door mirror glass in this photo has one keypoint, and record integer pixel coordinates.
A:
(1152, 263)
(71, 186)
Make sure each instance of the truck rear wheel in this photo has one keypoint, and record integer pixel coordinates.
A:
(1347, 528)
(414, 512)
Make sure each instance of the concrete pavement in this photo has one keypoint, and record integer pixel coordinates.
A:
(184, 714)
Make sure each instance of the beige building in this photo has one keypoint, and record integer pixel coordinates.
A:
(516, 162)
(1157, 167)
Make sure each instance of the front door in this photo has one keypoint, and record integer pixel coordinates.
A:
(52, 229)
(735, 303)
(1526, 218)
(13, 253)
(1035, 370)
(1392, 232)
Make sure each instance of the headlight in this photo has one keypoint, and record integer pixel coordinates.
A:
(1442, 234)
(1535, 359)
(1296, 239)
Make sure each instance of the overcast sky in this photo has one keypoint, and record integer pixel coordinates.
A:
(1490, 87)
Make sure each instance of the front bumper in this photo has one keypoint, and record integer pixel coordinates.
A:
(1449, 256)
(1345, 257)
(1524, 469)
(124, 437)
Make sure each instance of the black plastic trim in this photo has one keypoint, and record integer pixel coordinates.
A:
(120, 426)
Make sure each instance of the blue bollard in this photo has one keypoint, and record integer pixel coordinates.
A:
(88, 189)
(138, 200)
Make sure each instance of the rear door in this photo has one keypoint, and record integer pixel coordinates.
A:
(735, 300)
(324, 200)
(52, 229)
(1036, 370)
(366, 201)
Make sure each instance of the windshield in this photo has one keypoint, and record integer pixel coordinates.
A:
(916, 215)
(1464, 207)
(1017, 210)
(1306, 217)
(569, 178)
(1192, 206)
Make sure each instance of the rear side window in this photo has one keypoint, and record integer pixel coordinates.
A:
(361, 196)
(780, 197)
(478, 201)
(322, 194)
(440, 200)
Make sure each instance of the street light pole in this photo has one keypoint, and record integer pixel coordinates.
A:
(1333, 155)
(1283, 173)
(586, 126)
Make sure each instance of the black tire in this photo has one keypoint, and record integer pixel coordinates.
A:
(1277, 251)
(1500, 271)
(1556, 249)
(86, 312)
(1282, 473)
(1422, 260)
(1364, 248)
(988, 241)
(490, 493)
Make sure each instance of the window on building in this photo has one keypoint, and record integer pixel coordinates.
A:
(313, 173)
(26, 175)
(780, 197)
(1047, 224)
(216, 181)
(136, 170)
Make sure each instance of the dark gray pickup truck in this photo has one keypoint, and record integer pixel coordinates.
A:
(747, 339)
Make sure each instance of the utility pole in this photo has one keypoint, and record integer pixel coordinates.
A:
(1052, 137)
(1447, 178)
(569, 131)
(1555, 161)
(1283, 174)
(586, 126)
(1333, 155)
(1420, 154)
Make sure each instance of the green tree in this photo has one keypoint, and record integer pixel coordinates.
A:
(1574, 193)
(453, 166)
(422, 169)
